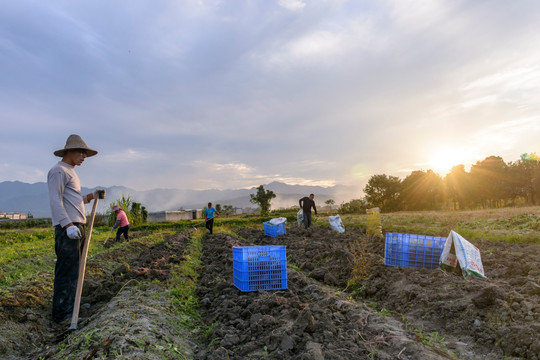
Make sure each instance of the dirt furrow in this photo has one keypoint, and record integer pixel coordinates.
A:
(308, 320)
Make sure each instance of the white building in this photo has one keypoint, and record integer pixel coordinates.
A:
(12, 215)
(188, 214)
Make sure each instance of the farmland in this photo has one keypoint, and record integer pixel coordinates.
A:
(169, 294)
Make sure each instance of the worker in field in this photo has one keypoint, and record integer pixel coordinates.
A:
(121, 223)
(69, 221)
(209, 214)
(306, 203)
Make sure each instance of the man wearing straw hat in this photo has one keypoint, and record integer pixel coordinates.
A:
(68, 219)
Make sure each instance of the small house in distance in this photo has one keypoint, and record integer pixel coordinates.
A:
(188, 214)
(12, 215)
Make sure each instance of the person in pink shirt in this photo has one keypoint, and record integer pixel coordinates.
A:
(121, 223)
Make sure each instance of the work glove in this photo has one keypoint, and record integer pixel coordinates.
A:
(73, 232)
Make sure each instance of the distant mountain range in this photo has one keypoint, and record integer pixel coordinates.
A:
(16, 196)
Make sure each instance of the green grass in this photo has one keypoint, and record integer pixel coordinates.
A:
(233, 221)
(27, 252)
(515, 225)
(184, 283)
(25, 224)
(28, 243)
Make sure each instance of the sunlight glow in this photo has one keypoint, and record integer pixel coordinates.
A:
(445, 159)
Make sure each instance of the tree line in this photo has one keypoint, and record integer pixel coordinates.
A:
(490, 183)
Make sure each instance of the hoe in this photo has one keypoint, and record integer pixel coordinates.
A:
(82, 263)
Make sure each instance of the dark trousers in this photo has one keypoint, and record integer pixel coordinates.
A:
(66, 271)
(210, 225)
(307, 218)
(122, 230)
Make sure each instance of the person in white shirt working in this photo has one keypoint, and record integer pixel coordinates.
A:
(68, 219)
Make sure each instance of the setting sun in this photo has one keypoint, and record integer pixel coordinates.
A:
(444, 160)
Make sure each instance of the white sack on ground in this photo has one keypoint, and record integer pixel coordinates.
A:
(277, 221)
(463, 252)
(336, 223)
(300, 217)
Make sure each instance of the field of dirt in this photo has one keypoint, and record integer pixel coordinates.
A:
(473, 319)
(395, 313)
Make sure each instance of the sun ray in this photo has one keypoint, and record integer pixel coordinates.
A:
(445, 159)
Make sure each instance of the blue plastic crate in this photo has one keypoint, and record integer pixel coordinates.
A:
(274, 230)
(260, 267)
(408, 250)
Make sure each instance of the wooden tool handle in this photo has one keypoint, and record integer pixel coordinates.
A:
(82, 268)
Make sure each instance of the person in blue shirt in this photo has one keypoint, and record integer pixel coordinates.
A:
(209, 217)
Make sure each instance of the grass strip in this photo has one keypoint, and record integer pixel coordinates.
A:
(184, 283)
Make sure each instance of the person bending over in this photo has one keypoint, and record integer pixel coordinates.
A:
(121, 223)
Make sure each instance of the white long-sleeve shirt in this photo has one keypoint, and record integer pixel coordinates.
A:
(67, 205)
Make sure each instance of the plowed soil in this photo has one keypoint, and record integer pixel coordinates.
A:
(390, 313)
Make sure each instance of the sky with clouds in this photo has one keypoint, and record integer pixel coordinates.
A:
(201, 94)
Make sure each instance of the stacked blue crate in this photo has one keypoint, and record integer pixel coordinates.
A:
(409, 250)
(260, 267)
(274, 230)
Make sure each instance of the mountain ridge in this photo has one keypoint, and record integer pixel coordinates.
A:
(17, 196)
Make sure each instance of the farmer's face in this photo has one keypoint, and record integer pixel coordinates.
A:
(75, 157)
(311, 197)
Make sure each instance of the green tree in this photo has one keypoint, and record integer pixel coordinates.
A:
(125, 203)
(524, 178)
(218, 208)
(383, 191)
(422, 190)
(530, 156)
(354, 206)
(135, 213)
(262, 198)
(489, 179)
(458, 187)
(228, 210)
(144, 215)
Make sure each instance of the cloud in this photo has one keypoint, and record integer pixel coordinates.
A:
(18, 172)
(251, 176)
(127, 156)
(483, 100)
(417, 14)
(518, 125)
(198, 94)
(507, 77)
(508, 136)
(292, 5)
(316, 44)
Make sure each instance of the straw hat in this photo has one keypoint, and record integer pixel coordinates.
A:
(75, 142)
